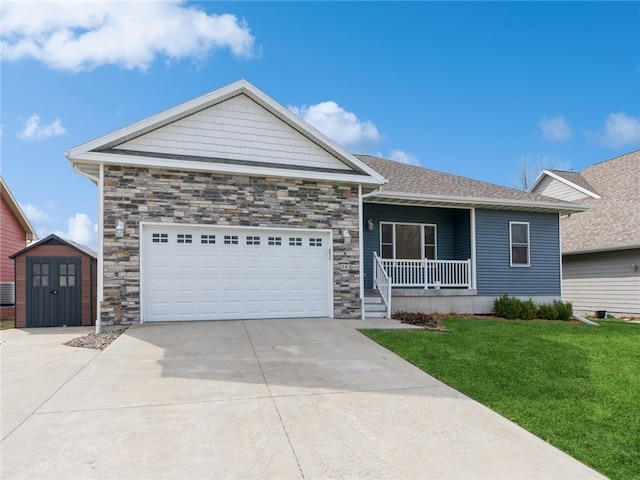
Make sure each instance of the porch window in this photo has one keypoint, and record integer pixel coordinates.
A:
(408, 241)
(519, 240)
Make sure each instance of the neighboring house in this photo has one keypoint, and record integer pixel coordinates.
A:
(230, 206)
(600, 247)
(15, 233)
(56, 282)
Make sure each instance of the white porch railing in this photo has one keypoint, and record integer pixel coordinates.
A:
(382, 282)
(426, 273)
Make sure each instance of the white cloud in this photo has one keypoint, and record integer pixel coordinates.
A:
(620, 130)
(34, 214)
(83, 35)
(34, 131)
(403, 157)
(339, 125)
(555, 129)
(80, 229)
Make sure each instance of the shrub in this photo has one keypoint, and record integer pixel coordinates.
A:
(565, 310)
(507, 307)
(527, 310)
(547, 311)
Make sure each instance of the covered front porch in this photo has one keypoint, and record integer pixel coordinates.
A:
(419, 252)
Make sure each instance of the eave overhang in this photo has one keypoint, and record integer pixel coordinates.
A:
(609, 248)
(89, 165)
(444, 201)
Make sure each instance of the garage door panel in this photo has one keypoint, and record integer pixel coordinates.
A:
(229, 274)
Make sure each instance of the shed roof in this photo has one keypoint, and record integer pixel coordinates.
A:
(56, 240)
(613, 221)
(412, 185)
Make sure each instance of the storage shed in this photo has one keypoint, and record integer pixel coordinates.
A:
(56, 284)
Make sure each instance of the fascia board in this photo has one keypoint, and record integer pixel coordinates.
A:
(313, 134)
(477, 201)
(174, 112)
(565, 181)
(250, 170)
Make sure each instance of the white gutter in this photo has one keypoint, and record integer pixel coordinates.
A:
(610, 248)
(476, 201)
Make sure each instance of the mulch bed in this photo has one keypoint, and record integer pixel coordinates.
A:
(424, 320)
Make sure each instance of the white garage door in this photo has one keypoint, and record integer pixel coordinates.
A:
(215, 273)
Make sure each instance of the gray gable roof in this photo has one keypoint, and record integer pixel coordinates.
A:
(613, 221)
(54, 239)
(408, 184)
(575, 178)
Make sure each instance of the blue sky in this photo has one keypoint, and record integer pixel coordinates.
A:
(472, 89)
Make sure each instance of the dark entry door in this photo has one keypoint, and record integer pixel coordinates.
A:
(53, 292)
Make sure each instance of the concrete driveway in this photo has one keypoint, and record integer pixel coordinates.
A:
(283, 399)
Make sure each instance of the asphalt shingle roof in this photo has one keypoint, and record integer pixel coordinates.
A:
(410, 179)
(614, 219)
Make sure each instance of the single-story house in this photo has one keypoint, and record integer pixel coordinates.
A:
(230, 206)
(600, 247)
(15, 233)
(56, 284)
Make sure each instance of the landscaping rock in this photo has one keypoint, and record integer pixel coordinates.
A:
(96, 341)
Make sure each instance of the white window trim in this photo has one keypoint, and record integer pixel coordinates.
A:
(519, 265)
(422, 245)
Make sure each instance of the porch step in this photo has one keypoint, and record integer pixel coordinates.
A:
(374, 307)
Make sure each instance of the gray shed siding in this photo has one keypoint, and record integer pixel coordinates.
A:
(453, 235)
(495, 276)
(603, 281)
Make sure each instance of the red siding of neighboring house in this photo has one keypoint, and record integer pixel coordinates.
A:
(13, 238)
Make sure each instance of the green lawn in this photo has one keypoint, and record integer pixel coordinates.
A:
(575, 386)
(7, 323)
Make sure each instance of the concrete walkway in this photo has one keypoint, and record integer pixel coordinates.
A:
(282, 399)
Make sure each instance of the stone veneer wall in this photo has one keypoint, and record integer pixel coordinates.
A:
(153, 195)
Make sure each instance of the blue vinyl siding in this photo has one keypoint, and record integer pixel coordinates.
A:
(495, 276)
(448, 221)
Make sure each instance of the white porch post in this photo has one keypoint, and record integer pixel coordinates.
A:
(472, 221)
(100, 272)
(361, 247)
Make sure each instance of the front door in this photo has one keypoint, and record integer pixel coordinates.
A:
(53, 292)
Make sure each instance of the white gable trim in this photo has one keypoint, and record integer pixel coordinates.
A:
(240, 87)
(562, 180)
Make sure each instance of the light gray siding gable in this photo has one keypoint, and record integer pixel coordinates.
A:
(495, 276)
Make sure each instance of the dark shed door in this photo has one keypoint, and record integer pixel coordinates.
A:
(53, 292)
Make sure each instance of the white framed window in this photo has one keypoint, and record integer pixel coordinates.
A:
(408, 240)
(519, 243)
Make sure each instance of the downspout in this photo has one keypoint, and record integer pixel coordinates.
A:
(100, 273)
(361, 250)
